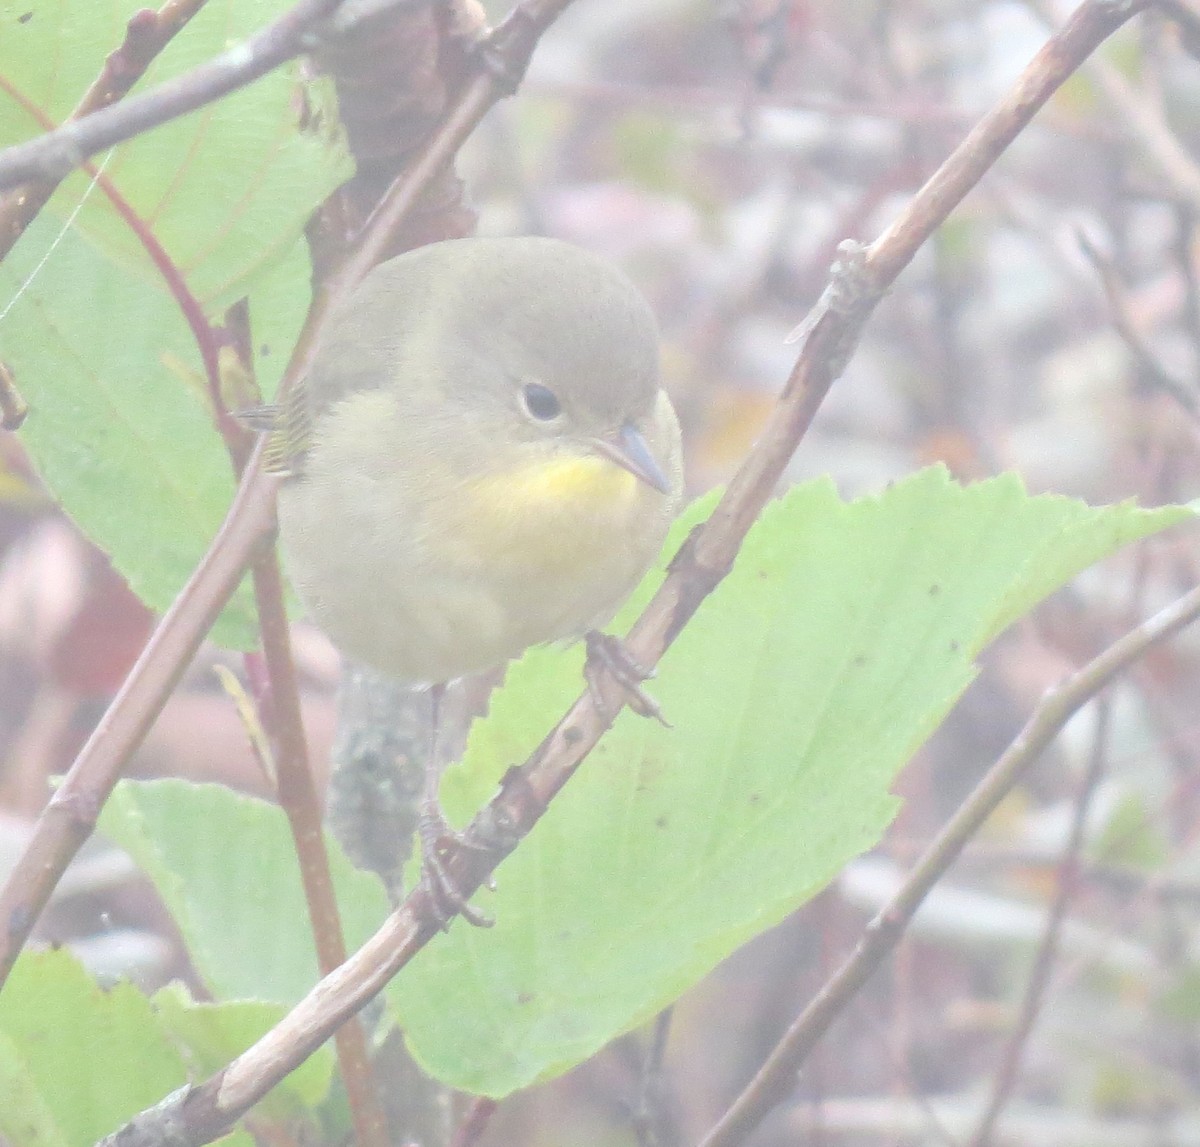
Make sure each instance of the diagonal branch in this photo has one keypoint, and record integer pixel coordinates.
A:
(56, 153)
(1066, 887)
(199, 1114)
(1121, 314)
(146, 35)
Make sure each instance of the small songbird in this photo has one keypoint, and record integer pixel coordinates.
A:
(481, 458)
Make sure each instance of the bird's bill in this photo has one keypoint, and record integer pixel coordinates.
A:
(628, 449)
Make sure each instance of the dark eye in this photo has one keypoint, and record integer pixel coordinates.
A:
(540, 401)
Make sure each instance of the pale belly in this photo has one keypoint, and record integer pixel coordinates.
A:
(533, 557)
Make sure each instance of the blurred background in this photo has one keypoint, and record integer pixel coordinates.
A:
(719, 150)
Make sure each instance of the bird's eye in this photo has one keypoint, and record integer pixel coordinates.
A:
(540, 402)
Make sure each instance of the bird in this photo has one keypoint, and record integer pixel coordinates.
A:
(480, 459)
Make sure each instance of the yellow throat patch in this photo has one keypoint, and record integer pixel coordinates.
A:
(555, 513)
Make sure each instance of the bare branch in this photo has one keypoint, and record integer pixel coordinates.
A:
(1139, 119)
(146, 35)
(297, 793)
(58, 152)
(1043, 963)
(1121, 313)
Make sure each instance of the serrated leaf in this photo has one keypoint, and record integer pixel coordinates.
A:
(96, 1057)
(225, 867)
(25, 1117)
(805, 682)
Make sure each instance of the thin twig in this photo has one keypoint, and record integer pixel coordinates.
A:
(1124, 323)
(506, 54)
(70, 815)
(774, 1079)
(1066, 885)
(279, 713)
(56, 153)
(648, 1115)
(297, 794)
(1067, 882)
(207, 1110)
(1139, 119)
(475, 1122)
(146, 35)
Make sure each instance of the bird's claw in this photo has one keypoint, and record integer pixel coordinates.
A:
(437, 837)
(606, 652)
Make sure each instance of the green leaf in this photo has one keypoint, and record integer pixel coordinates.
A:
(213, 1034)
(226, 190)
(841, 639)
(125, 445)
(25, 1116)
(279, 299)
(93, 1058)
(226, 869)
(119, 424)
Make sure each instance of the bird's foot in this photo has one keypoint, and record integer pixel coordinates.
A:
(606, 652)
(438, 840)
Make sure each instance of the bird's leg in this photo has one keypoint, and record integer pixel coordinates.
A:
(436, 834)
(604, 651)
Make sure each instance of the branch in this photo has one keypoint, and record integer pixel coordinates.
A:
(55, 154)
(505, 55)
(1066, 885)
(146, 35)
(774, 1079)
(1137, 117)
(297, 794)
(70, 815)
(199, 1114)
(1121, 314)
